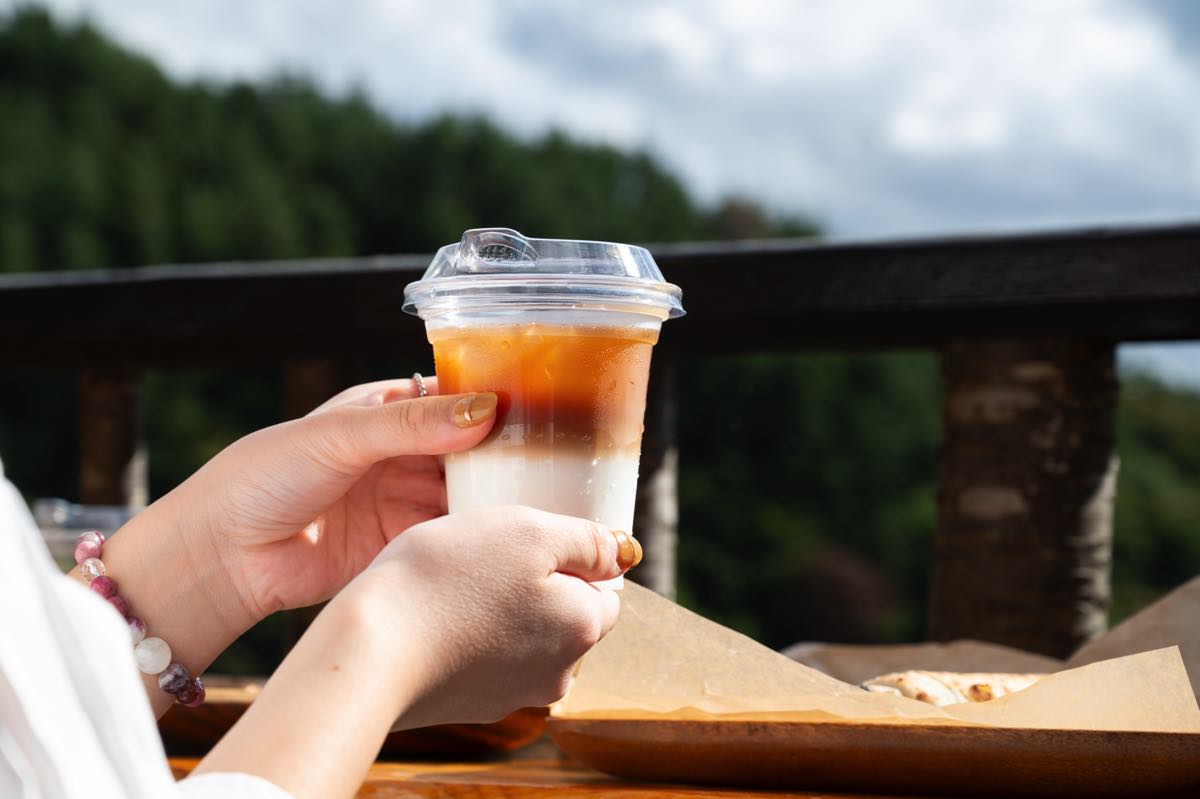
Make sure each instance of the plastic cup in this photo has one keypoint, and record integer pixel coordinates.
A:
(562, 332)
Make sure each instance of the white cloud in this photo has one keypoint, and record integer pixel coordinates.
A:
(945, 114)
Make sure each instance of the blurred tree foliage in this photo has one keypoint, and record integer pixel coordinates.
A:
(806, 481)
(807, 493)
(1158, 492)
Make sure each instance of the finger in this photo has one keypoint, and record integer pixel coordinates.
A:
(610, 610)
(357, 436)
(379, 392)
(600, 608)
(590, 550)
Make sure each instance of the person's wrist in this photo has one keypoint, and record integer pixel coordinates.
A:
(173, 580)
(370, 622)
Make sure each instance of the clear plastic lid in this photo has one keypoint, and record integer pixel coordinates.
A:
(498, 268)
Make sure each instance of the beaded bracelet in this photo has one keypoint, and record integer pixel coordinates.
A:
(153, 655)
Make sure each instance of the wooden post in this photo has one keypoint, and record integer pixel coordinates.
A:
(656, 515)
(112, 450)
(309, 382)
(1026, 485)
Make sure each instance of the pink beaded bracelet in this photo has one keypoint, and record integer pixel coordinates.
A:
(153, 655)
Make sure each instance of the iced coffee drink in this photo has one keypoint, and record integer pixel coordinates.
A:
(562, 332)
(568, 429)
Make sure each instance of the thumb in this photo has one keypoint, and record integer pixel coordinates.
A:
(357, 436)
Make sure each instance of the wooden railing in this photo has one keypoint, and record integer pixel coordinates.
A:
(1026, 324)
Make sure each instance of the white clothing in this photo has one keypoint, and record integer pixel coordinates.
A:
(75, 721)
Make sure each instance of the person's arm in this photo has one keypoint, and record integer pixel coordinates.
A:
(465, 618)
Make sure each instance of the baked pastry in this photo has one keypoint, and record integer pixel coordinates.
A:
(949, 687)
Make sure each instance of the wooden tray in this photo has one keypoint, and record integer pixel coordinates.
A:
(194, 731)
(884, 758)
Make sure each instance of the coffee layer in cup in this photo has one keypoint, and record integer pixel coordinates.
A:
(558, 386)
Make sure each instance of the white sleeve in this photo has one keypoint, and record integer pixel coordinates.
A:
(75, 721)
(229, 785)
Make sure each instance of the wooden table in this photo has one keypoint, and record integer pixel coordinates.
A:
(518, 779)
(514, 758)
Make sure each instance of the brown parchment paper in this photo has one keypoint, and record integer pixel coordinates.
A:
(663, 661)
(1172, 620)
(1149, 691)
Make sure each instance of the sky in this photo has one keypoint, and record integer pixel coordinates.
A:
(876, 117)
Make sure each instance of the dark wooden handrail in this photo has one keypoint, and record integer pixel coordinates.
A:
(1121, 284)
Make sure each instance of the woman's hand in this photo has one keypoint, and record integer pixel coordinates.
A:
(295, 511)
(501, 605)
(463, 618)
(285, 517)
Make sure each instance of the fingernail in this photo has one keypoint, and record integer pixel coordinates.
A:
(474, 409)
(629, 551)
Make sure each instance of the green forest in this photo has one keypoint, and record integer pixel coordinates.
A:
(815, 525)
